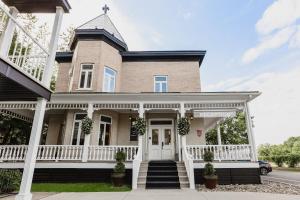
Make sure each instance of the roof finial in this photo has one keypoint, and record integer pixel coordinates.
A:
(105, 9)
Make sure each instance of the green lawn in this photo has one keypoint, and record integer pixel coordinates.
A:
(77, 187)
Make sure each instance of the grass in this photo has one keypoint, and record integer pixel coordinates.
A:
(296, 169)
(77, 187)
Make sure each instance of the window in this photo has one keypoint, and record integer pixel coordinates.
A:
(109, 80)
(160, 84)
(86, 75)
(105, 130)
(78, 137)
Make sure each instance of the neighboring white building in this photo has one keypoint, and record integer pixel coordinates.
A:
(100, 78)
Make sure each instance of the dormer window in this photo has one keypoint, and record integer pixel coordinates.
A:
(86, 76)
(160, 83)
(109, 80)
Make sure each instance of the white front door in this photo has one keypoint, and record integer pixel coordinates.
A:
(161, 143)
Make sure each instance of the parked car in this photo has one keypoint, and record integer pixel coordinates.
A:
(264, 167)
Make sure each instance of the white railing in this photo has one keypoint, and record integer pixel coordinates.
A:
(107, 153)
(59, 152)
(221, 152)
(188, 163)
(136, 164)
(13, 152)
(66, 152)
(24, 52)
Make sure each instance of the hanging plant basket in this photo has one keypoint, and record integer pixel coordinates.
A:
(140, 126)
(183, 126)
(87, 125)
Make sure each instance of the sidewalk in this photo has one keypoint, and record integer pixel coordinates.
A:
(162, 195)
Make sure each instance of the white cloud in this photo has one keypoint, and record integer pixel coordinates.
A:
(280, 14)
(277, 110)
(277, 27)
(270, 42)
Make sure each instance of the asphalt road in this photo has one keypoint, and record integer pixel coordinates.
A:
(283, 176)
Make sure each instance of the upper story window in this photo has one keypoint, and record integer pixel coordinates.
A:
(86, 75)
(160, 83)
(109, 80)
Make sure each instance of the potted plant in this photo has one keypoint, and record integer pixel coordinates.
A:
(140, 126)
(183, 126)
(87, 125)
(118, 175)
(210, 177)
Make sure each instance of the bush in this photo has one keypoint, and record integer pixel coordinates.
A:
(208, 156)
(209, 170)
(292, 160)
(279, 160)
(183, 126)
(120, 158)
(87, 125)
(9, 180)
(140, 126)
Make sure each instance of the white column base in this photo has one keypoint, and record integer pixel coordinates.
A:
(27, 196)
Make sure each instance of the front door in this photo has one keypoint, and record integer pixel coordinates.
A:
(161, 143)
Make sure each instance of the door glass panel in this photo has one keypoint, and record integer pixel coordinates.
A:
(107, 134)
(100, 142)
(75, 133)
(155, 135)
(167, 136)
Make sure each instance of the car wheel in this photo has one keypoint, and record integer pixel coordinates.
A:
(263, 171)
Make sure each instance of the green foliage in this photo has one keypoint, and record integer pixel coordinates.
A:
(209, 170)
(14, 131)
(87, 125)
(139, 126)
(120, 158)
(233, 131)
(10, 180)
(183, 126)
(208, 156)
(286, 153)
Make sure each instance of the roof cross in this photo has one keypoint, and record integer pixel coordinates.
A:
(105, 9)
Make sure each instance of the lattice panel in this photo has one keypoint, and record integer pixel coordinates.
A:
(212, 105)
(116, 106)
(162, 106)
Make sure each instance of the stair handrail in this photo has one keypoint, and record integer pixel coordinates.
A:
(189, 163)
(137, 163)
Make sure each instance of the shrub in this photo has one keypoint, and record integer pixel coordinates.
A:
(183, 126)
(9, 180)
(140, 126)
(120, 158)
(209, 170)
(87, 125)
(208, 156)
(292, 160)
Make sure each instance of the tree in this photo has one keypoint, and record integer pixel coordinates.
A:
(233, 131)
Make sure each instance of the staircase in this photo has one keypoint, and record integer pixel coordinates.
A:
(162, 175)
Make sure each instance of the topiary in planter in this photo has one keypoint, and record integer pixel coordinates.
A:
(87, 125)
(211, 179)
(10, 180)
(118, 175)
(140, 126)
(183, 126)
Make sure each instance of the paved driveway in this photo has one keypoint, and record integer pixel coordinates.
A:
(164, 195)
(283, 176)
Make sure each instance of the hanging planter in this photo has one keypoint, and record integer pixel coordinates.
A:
(87, 125)
(183, 126)
(140, 126)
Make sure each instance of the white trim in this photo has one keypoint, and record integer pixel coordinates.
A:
(45, 165)
(166, 81)
(79, 131)
(229, 165)
(86, 77)
(115, 79)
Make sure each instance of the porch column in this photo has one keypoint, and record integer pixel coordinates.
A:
(8, 33)
(87, 137)
(250, 132)
(37, 125)
(219, 134)
(141, 137)
(181, 139)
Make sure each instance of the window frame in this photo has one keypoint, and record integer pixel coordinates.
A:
(86, 76)
(115, 79)
(99, 133)
(166, 81)
(79, 130)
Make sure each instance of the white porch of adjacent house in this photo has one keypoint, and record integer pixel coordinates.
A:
(154, 107)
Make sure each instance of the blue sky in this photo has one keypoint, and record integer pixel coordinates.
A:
(251, 45)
